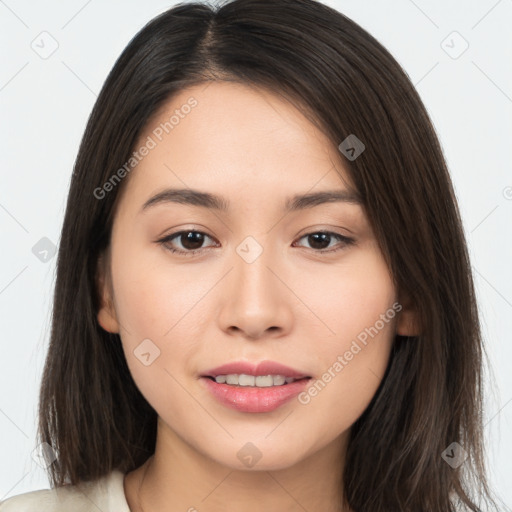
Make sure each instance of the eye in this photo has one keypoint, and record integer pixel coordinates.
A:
(191, 241)
(320, 240)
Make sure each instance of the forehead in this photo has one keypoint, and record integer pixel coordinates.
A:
(226, 136)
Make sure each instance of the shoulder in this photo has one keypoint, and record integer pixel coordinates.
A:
(106, 494)
(45, 500)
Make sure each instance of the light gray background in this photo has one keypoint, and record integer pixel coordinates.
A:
(44, 105)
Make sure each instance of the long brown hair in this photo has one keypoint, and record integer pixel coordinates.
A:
(346, 82)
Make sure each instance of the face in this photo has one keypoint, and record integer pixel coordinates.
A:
(305, 287)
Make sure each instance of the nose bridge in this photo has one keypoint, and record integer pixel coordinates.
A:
(254, 281)
(253, 301)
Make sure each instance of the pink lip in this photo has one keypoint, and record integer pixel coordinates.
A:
(262, 368)
(254, 399)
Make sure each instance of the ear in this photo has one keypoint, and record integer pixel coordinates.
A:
(106, 314)
(407, 323)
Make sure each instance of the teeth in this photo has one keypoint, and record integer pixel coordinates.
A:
(261, 381)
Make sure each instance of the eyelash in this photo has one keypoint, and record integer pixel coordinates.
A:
(346, 241)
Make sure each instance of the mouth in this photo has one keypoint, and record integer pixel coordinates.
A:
(254, 381)
(254, 387)
(262, 374)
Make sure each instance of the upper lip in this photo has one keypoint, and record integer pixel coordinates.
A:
(261, 368)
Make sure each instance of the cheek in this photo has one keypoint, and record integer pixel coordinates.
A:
(358, 326)
(346, 298)
(158, 311)
(153, 301)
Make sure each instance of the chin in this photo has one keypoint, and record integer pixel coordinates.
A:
(260, 455)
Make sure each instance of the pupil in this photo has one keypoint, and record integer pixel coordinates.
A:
(192, 240)
(315, 237)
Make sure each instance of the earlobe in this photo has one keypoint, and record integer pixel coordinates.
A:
(107, 320)
(106, 314)
(407, 323)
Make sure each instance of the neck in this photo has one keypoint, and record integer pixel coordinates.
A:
(179, 478)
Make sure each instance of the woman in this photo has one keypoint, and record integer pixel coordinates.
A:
(264, 297)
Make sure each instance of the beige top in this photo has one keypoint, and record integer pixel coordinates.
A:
(105, 494)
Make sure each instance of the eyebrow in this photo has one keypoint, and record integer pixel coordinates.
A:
(214, 202)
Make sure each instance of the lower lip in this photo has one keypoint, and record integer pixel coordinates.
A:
(253, 399)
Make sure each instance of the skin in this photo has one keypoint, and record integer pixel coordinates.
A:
(293, 304)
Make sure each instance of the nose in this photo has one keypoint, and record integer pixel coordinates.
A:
(255, 299)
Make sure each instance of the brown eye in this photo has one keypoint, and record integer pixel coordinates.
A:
(189, 242)
(320, 241)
